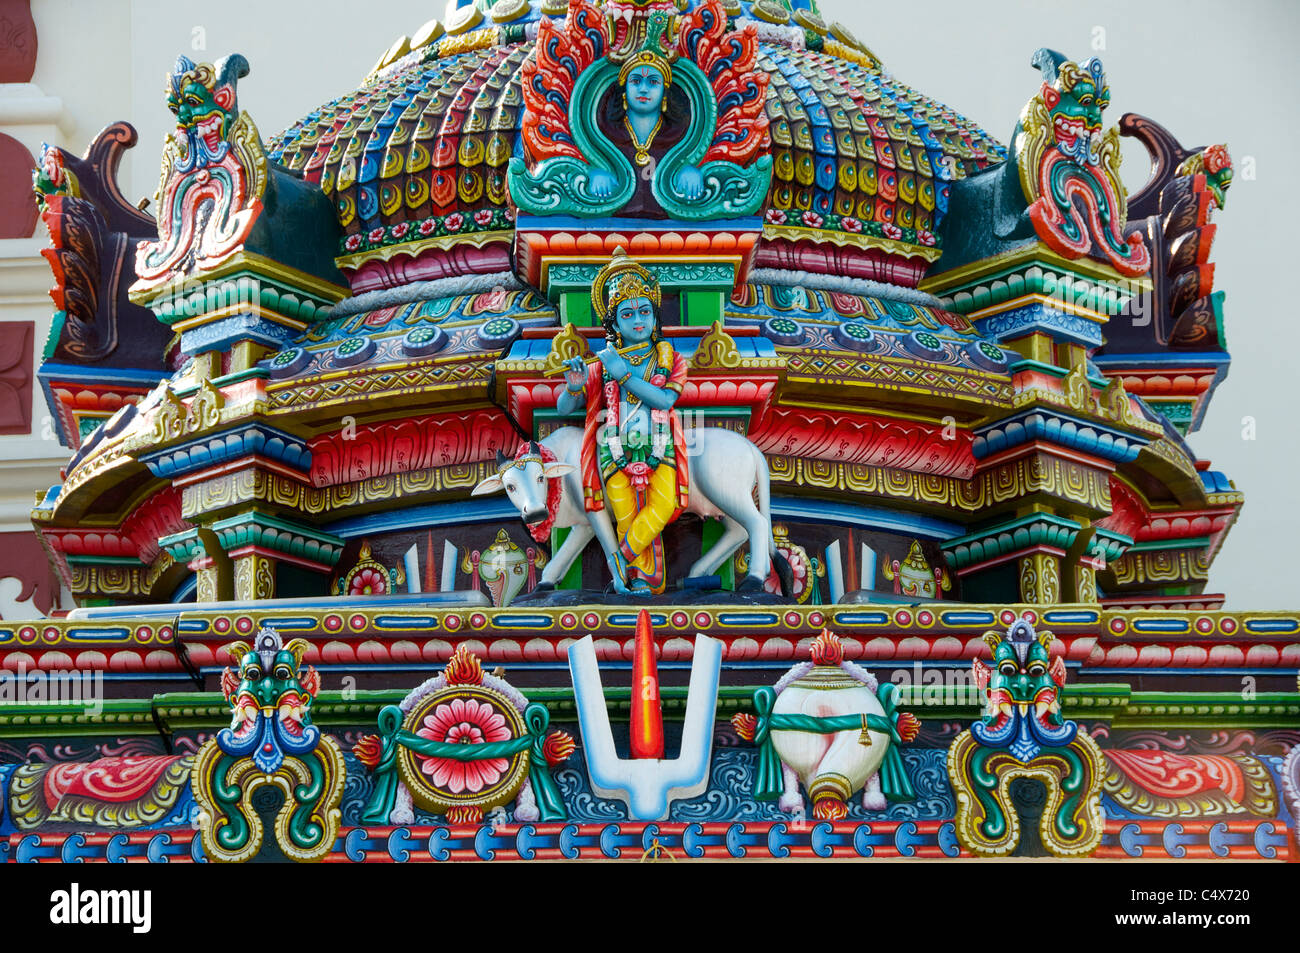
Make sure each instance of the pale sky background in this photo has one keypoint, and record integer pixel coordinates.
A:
(1210, 72)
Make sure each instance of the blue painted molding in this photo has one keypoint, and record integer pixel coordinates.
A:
(864, 517)
(1064, 429)
(1038, 317)
(212, 449)
(432, 514)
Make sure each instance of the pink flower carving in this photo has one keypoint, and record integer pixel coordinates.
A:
(775, 216)
(400, 230)
(483, 217)
(851, 224)
(352, 243)
(799, 570)
(427, 226)
(454, 221)
(464, 721)
(812, 219)
(368, 582)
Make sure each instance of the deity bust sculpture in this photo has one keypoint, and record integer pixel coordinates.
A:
(633, 455)
(653, 114)
(645, 79)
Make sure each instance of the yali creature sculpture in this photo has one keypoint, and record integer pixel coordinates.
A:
(1069, 168)
(1024, 736)
(270, 741)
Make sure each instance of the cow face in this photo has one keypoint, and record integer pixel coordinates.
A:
(525, 480)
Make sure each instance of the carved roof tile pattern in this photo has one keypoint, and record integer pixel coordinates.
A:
(849, 141)
(434, 137)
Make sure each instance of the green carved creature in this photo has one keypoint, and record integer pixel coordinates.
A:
(1024, 684)
(203, 99)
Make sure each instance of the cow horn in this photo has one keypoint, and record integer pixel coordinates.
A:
(502, 461)
(534, 448)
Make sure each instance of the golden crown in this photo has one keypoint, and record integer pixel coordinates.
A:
(647, 58)
(622, 280)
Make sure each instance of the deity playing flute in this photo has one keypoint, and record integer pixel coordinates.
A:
(633, 456)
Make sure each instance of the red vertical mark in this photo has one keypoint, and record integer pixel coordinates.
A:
(430, 580)
(851, 580)
(647, 712)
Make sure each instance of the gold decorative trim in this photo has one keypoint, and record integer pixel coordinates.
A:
(770, 12)
(503, 11)
(717, 350)
(401, 46)
(413, 249)
(811, 21)
(870, 242)
(465, 42)
(250, 261)
(565, 346)
(422, 37)
(463, 19)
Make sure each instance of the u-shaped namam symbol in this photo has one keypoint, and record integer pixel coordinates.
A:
(647, 785)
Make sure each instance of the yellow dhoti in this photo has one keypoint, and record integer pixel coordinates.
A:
(641, 516)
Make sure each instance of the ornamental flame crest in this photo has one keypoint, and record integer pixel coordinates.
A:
(1069, 167)
(679, 96)
(214, 174)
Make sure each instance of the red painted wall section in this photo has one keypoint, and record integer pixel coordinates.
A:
(16, 342)
(17, 202)
(17, 42)
(23, 558)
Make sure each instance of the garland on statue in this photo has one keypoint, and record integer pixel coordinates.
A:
(661, 426)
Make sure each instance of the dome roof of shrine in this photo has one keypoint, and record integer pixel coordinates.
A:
(421, 149)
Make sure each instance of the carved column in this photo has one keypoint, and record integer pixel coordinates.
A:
(259, 543)
(1040, 578)
(254, 577)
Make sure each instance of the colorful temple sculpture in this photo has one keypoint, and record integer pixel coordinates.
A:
(641, 429)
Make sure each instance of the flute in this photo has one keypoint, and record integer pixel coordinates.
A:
(622, 351)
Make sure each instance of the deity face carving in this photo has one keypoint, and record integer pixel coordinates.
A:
(270, 698)
(202, 98)
(635, 319)
(644, 92)
(1075, 109)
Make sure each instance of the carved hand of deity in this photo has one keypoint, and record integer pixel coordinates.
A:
(575, 374)
(614, 363)
(690, 183)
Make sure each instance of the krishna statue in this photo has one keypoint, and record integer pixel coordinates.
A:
(633, 453)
